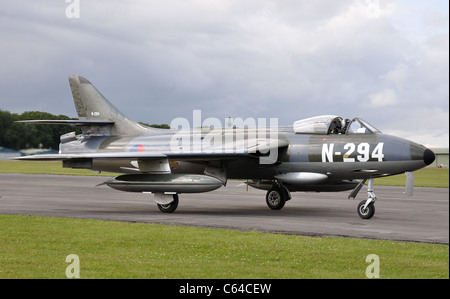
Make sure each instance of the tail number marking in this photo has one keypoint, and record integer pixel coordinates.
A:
(363, 150)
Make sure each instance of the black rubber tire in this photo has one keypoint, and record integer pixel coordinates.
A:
(276, 198)
(368, 212)
(171, 207)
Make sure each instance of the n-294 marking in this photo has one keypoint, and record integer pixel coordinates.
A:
(363, 149)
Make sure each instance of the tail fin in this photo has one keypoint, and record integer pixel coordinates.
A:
(91, 105)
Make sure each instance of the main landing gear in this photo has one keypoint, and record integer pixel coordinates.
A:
(166, 203)
(277, 197)
(366, 208)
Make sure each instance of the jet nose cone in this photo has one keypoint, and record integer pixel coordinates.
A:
(428, 156)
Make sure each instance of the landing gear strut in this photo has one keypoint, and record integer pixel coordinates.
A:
(366, 208)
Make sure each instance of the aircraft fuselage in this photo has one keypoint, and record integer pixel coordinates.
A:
(338, 156)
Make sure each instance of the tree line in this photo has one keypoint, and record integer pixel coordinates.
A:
(24, 136)
(19, 136)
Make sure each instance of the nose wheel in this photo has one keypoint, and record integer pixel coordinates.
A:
(366, 208)
(366, 212)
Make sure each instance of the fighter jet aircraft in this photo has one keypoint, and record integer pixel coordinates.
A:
(321, 154)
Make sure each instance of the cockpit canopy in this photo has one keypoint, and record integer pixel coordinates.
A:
(332, 124)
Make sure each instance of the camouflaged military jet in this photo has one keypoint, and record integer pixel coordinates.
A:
(321, 154)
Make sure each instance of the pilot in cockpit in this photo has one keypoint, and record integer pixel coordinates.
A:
(335, 126)
(339, 126)
(345, 123)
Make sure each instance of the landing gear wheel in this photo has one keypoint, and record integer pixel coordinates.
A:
(171, 207)
(276, 198)
(368, 212)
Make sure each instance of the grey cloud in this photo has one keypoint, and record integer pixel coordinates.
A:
(288, 59)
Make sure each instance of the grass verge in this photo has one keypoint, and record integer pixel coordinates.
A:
(426, 177)
(37, 247)
(45, 167)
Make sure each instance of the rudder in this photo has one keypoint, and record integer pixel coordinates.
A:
(92, 105)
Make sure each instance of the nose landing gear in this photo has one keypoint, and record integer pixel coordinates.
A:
(366, 208)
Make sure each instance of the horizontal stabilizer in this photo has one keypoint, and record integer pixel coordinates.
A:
(111, 155)
(75, 123)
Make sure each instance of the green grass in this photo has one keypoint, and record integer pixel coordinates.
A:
(427, 177)
(44, 167)
(36, 247)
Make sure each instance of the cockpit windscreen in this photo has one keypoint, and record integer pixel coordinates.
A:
(332, 124)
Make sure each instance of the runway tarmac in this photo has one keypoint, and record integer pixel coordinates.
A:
(421, 218)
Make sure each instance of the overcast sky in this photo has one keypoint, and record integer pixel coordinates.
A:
(386, 61)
